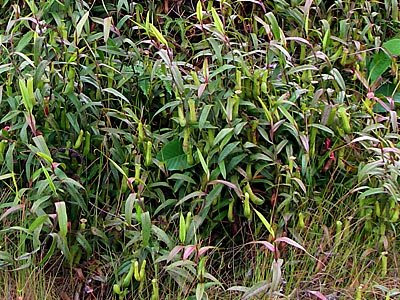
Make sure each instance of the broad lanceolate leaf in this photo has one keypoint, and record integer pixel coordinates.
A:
(81, 23)
(256, 290)
(290, 242)
(28, 97)
(217, 21)
(116, 93)
(203, 163)
(173, 156)
(199, 11)
(265, 222)
(41, 144)
(276, 30)
(182, 228)
(157, 34)
(62, 218)
(392, 46)
(129, 204)
(380, 63)
(107, 28)
(146, 228)
(266, 244)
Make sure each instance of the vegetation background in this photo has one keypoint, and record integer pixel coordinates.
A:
(199, 150)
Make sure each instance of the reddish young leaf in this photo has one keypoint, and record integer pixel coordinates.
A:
(188, 251)
(290, 242)
(205, 249)
(317, 294)
(174, 252)
(266, 244)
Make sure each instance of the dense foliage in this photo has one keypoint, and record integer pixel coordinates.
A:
(184, 149)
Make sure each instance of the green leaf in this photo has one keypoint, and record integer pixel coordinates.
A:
(254, 292)
(63, 246)
(380, 63)
(129, 208)
(183, 177)
(173, 156)
(24, 41)
(50, 250)
(222, 168)
(122, 3)
(99, 233)
(49, 180)
(302, 68)
(81, 23)
(176, 74)
(200, 291)
(266, 223)
(38, 222)
(287, 115)
(324, 128)
(84, 243)
(62, 218)
(203, 163)
(157, 34)
(26, 95)
(217, 21)
(116, 93)
(182, 228)
(40, 69)
(162, 236)
(274, 25)
(172, 104)
(199, 11)
(220, 70)
(73, 121)
(6, 176)
(165, 204)
(204, 115)
(6, 68)
(195, 194)
(222, 134)
(42, 146)
(372, 191)
(25, 58)
(10, 115)
(392, 46)
(36, 205)
(10, 157)
(32, 6)
(118, 168)
(146, 228)
(339, 79)
(227, 150)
